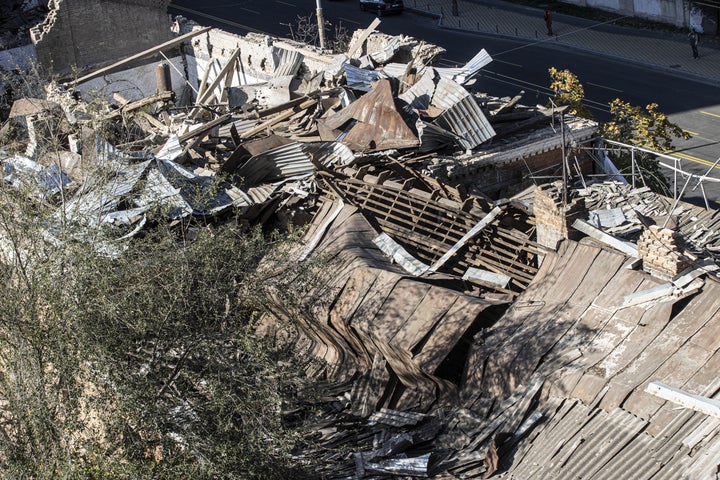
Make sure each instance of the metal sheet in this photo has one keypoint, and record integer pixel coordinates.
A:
(286, 62)
(379, 127)
(419, 96)
(399, 255)
(433, 137)
(329, 153)
(469, 70)
(359, 78)
(467, 121)
(43, 182)
(281, 162)
(385, 55)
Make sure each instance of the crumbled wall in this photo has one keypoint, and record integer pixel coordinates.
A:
(91, 32)
(551, 217)
(659, 250)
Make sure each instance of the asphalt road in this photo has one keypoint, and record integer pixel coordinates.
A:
(517, 65)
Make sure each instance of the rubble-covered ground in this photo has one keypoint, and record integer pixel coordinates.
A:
(401, 174)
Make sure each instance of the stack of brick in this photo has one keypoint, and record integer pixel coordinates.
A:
(551, 217)
(660, 252)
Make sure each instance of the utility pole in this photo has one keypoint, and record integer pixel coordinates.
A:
(321, 24)
(564, 164)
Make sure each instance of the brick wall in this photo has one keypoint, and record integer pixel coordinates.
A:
(660, 252)
(86, 33)
(552, 219)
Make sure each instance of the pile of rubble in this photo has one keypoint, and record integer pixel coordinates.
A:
(418, 187)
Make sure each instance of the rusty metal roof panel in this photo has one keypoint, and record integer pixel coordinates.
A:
(466, 120)
(379, 125)
(329, 153)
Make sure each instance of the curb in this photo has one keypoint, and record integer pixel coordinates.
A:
(662, 68)
(423, 13)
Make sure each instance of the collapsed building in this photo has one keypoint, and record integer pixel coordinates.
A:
(483, 319)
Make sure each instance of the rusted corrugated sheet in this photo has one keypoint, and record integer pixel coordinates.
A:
(379, 125)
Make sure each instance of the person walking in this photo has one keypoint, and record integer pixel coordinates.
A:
(548, 21)
(694, 39)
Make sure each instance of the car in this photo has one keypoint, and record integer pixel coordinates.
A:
(382, 7)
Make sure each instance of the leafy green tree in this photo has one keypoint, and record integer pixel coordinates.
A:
(144, 363)
(644, 127)
(568, 91)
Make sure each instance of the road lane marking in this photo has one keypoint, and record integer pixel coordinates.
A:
(711, 114)
(694, 134)
(251, 11)
(349, 21)
(603, 86)
(286, 3)
(701, 161)
(507, 63)
(217, 19)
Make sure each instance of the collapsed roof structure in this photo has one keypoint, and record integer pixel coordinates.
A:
(481, 319)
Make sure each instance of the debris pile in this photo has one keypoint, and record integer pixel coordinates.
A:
(447, 313)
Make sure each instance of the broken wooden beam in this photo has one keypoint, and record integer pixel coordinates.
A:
(158, 97)
(625, 247)
(205, 128)
(487, 220)
(219, 78)
(283, 116)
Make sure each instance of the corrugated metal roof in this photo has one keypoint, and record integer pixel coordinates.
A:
(379, 125)
(388, 51)
(467, 121)
(329, 153)
(448, 93)
(44, 181)
(469, 70)
(399, 255)
(284, 161)
(419, 96)
(241, 126)
(359, 78)
(285, 62)
(102, 199)
(433, 137)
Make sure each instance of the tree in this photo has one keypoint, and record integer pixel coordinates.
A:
(648, 128)
(568, 91)
(142, 363)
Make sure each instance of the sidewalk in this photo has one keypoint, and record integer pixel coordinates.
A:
(670, 52)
